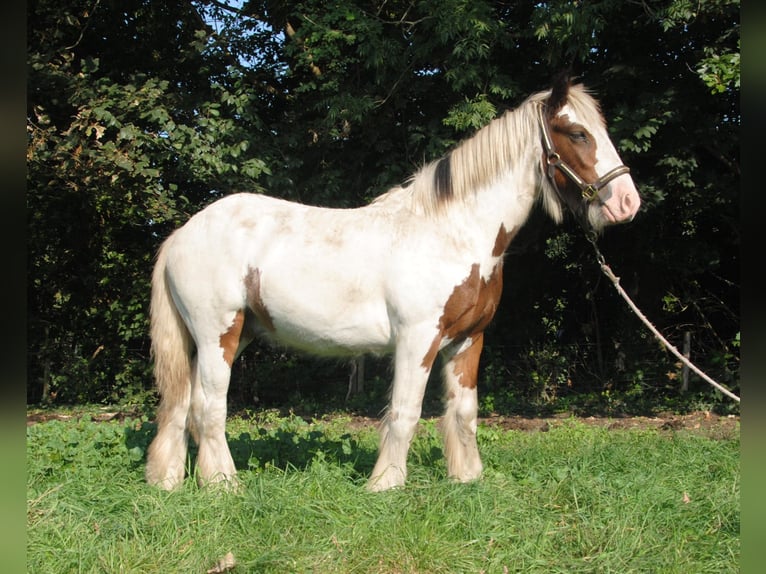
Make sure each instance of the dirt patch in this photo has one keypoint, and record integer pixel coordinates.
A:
(41, 416)
(703, 423)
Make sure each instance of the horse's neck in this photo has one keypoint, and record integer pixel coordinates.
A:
(506, 201)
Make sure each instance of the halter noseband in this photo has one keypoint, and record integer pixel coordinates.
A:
(553, 160)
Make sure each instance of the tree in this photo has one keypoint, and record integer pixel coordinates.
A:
(142, 113)
(128, 132)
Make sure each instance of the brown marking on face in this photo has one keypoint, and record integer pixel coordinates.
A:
(230, 339)
(254, 301)
(466, 363)
(469, 309)
(578, 152)
(502, 241)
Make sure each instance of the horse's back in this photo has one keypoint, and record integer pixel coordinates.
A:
(314, 275)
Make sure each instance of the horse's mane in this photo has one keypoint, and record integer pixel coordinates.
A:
(495, 148)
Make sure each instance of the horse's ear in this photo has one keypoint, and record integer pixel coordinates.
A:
(559, 92)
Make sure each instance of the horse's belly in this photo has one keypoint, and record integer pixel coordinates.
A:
(332, 332)
(326, 313)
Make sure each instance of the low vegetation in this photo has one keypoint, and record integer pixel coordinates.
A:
(578, 497)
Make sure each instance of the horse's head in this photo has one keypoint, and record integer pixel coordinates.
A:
(580, 160)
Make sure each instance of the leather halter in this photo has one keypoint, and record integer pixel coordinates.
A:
(553, 160)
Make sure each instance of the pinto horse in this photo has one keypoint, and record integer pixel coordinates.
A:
(417, 273)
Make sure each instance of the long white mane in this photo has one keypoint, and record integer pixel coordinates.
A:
(495, 148)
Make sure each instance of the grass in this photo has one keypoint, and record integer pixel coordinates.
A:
(575, 499)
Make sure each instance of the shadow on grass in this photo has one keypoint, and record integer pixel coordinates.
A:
(284, 448)
(280, 448)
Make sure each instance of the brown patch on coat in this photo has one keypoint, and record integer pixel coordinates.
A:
(254, 301)
(230, 339)
(502, 241)
(465, 365)
(469, 309)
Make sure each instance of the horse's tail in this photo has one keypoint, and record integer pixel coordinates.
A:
(172, 349)
(172, 344)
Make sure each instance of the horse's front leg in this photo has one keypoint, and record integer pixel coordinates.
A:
(461, 413)
(412, 365)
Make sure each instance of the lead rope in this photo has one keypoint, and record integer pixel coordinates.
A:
(616, 282)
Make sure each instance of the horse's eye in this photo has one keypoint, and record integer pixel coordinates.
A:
(579, 137)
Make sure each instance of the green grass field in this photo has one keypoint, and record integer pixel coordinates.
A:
(578, 498)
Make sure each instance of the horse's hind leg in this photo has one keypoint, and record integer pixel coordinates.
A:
(208, 412)
(166, 459)
(208, 418)
(461, 414)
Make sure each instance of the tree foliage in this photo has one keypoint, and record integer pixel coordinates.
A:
(141, 112)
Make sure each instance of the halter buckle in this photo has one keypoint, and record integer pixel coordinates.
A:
(553, 158)
(590, 192)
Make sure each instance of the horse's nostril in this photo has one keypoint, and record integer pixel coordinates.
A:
(631, 202)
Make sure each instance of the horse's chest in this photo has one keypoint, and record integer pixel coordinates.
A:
(472, 304)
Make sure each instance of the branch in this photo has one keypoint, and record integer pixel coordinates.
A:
(291, 33)
(84, 28)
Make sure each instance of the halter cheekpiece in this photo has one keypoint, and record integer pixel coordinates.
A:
(553, 160)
